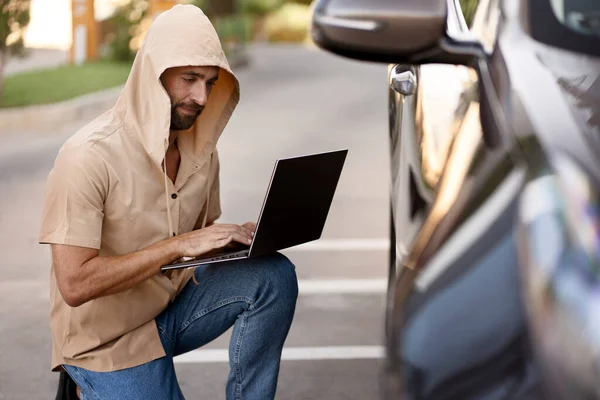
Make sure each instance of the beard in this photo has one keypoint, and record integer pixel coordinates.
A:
(180, 120)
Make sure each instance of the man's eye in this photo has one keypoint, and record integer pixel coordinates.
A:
(189, 80)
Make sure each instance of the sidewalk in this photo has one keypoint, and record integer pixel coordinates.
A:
(55, 116)
(36, 59)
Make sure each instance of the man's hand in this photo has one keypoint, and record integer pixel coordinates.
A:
(251, 226)
(217, 236)
(83, 275)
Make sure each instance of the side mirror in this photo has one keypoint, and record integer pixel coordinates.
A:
(394, 31)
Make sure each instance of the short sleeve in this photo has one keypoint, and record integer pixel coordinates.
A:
(73, 208)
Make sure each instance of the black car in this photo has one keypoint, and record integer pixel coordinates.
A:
(494, 126)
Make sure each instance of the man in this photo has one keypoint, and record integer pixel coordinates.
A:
(136, 189)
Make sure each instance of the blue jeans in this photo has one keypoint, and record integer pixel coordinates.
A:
(256, 296)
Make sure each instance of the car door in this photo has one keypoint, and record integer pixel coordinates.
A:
(426, 106)
(456, 326)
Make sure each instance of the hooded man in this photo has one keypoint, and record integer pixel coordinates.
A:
(136, 189)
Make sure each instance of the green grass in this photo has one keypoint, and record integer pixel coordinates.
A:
(62, 83)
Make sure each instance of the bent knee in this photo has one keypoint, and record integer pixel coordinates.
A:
(282, 273)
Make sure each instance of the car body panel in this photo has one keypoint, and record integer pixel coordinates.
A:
(459, 326)
(494, 289)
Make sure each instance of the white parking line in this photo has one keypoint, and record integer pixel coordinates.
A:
(291, 354)
(342, 286)
(343, 245)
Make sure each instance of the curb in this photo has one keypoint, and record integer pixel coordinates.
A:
(49, 117)
(57, 116)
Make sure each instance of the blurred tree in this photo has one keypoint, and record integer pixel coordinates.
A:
(14, 18)
(468, 8)
(220, 8)
(288, 24)
(204, 5)
(258, 8)
(215, 8)
(124, 27)
(232, 26)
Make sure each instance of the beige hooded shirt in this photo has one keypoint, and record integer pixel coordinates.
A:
(108, 191)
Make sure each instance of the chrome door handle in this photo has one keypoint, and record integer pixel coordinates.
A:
(403, 80)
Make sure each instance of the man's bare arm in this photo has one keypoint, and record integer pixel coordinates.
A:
(83, 275)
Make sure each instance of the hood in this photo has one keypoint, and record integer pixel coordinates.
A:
(181, 36)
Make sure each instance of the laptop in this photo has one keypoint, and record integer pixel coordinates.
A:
(294, 210)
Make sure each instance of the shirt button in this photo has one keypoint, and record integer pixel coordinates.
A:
(174, 196)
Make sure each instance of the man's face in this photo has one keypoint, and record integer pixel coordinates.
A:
(188, 89)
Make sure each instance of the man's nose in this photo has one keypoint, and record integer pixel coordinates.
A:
(200, 94)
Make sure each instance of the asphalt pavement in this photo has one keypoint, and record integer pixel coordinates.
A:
(294, 101)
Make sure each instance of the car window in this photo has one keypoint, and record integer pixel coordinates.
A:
(581, 16)
(573, 25)
(468, 8)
